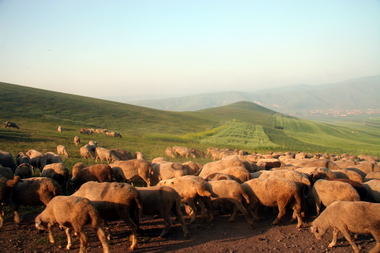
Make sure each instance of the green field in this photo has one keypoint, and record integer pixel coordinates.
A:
(242, 125)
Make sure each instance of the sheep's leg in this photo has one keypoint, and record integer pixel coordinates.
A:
(376, 236)
(51, 236)
(17, 217)
(134, 227)
(240, 206)
(281, 213)
(68, 235)
(2, 215)
(83, 241)
(103, 239)
(347, 235)
(168, 224)
(193, 209)
(334, 239)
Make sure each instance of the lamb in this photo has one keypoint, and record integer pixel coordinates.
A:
(62, 150)
(71, 212)
(97, 172)
(346, 216)
(5, 193)
(76, 140)
(114, 201)
(324, 192)
(33, 191)
(162, 200)
(22, 158)
(274, 192)
(57, 171)
(132, 170)
(231, 191)
(189, 189)
(24, 170)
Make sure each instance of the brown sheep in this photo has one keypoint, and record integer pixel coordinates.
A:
(5, 193)
(132, 170)
(278, 192)
(57, 171)
(122, 154)
(52, 157)
(10, 124)
(349, 217)
(87, 152)
(71, 212)
(22, 158)
(162, 200)
(189, 189)
(76, 168)
(114, 201)
(6, 172)
(348, 174)
(324, 192)
(373, 189)
(33, 191)
(6, 160)
(62, 150)
(97, 172)
(37, 159)
(24, 170)
(372, 175)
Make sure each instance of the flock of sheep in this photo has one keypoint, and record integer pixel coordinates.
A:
(343, 190)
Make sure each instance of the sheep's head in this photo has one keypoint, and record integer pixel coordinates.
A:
(40, 225)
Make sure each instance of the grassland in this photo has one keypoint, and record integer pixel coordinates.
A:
(242, 125)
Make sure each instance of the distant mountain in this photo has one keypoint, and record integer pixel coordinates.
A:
(354, 94)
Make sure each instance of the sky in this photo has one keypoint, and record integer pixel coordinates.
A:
(184, 47)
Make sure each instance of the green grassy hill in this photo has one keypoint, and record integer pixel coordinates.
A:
(242, 125)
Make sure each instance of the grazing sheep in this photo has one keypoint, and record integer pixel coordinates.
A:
(139, 156)
(267, 164)
(324, 192)
(238, 173)
(231, 191)
(6, 160)
(169, 152)
(37, 159)
(303, 163)
(183, 152)
(218, 176)
(189, 189)
(87, 152)
(22, 158)
(76, 168)
(104, 154)
(132, 170)
(348, 174)
(167, 170)
(213, 167)
(308, 171)
(365, 167)
(52, 157)
(76, 140)
(349, 217)
(71, 212)
(6, 172)
(57, 171)
(197, 152)
(114, 201)
(193, 168)
(59, 129)
(158, 160)
(5, 193)
(122, 154)
(24, 170)
(113, 134)
(33, 191)
(372, 175)
(10, 124)
(373, 189)
(162, 200)
(274, 192)
(97, 172)
(62, 150)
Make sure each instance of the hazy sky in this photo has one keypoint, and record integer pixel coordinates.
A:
(113, 48)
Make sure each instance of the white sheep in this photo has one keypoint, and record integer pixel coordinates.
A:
(71, 212)
(347, 216)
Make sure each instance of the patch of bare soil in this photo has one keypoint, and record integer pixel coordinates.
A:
(216, 236)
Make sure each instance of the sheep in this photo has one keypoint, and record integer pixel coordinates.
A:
(6, 172)
(162, 200)
(238, 173)
(76, 140)
(37, 159)
(52, 157)
(5, 192)
(71, 212)
(158, 160)
(312, 163)
(132, 170)
(10, 124)
(114, 201)
(348, 174)
(59, 129)
(22, 158)
(217, 166)
(372, 175)
(62, 150)
(97, 172)
(122, 154)
(308, 171)
(57, 171)
(167, 170)
(193, 168)
(267, 164)
(33, 191)
(169, 152)
(189, 189)
(218, 176)
(231, 191)
(6, 160)
(87, 152)
(365, 167)
(24, 170)
(373, 189)
(324, 192)
(139, 156)
(274, 192)
(76, 168)
(345, 217)
(197, 152)
(183, 152)
(104, 154)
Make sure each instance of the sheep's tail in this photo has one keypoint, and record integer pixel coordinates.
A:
(245, 195)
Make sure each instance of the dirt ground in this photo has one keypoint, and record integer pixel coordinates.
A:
(216, 236)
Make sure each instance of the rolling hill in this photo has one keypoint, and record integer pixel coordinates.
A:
(243, 125)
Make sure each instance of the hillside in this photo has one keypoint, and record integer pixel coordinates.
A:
(354, 94)
(242, 125)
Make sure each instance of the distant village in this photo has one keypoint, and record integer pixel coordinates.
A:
(337, 113)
